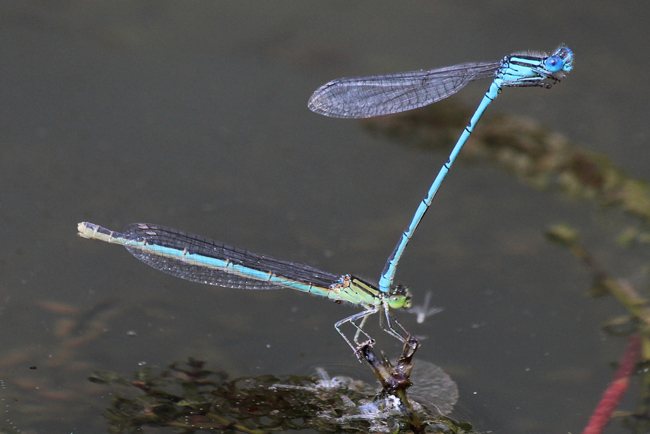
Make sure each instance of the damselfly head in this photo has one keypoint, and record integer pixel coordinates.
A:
(560, 62)
(400, 298)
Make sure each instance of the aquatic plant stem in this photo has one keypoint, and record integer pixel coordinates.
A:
(614, 393)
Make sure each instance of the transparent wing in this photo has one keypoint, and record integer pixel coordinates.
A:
(365, 97)
(205, 253)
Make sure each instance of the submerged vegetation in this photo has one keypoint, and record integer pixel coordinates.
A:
(190, 398)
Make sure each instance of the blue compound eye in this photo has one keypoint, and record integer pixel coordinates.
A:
(554, 64)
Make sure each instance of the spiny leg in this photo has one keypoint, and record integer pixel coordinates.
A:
(388, 325)
(351, 319)
(360, 328)
(523, 83)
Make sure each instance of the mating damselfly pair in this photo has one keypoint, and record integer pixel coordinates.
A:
(199, 259)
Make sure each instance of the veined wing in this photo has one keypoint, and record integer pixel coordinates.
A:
(364, 97)
(199, 259)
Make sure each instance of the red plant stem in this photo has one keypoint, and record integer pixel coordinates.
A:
(614, 393)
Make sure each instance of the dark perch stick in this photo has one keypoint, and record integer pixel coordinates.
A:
(395, 379)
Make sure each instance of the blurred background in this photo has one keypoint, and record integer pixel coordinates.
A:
(193, 114)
